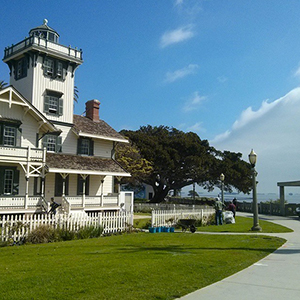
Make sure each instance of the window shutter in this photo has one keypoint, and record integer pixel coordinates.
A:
(46, 103)
(18, 137)
(87, 186)
(45, 67)
(60, 108)
(44, 142)
(59, 144)
(1, 180)
(91, 148)
(1, 134)
(24, 67)
(79, 142)
(16, 182)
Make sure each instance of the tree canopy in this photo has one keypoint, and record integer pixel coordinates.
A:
(178, 159)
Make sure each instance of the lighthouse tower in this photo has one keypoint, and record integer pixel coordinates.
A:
(43, 70)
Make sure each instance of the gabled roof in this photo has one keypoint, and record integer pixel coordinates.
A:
(77, 164)
(12, 97)
(85, 127)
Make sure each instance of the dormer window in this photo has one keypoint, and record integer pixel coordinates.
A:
(10, 134)
(53, 103)
(52, 143)
(85, 146)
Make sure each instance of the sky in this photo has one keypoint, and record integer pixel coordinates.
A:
(227, 70)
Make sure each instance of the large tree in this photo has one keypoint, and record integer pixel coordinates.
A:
(179, 159)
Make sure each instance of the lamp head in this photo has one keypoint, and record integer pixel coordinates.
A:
(222, 177)
(252, 158)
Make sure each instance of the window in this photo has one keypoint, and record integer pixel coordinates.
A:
(53, 103)
(21, 68)
(59, 185)
(49, 67)
(52, 143)
(10, 134)
(80, 181)
(85, 146)
(9, 180)
(54, 68)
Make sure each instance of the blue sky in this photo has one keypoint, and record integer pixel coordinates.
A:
(213, 67)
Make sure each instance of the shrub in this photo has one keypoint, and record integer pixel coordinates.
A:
(43, 234)
(89, 232)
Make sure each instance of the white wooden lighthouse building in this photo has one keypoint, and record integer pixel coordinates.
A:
(45, 150)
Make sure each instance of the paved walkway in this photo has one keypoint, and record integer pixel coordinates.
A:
(277, 276)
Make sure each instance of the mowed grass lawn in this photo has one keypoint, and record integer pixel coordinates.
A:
(129, 266)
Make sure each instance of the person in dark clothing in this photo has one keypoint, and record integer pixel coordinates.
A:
(232, 207)
(53, 206)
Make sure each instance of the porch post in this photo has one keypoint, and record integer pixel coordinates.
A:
(26, 192)
(281, 194)
(101, 200)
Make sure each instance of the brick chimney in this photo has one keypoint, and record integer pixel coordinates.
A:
(92, 110)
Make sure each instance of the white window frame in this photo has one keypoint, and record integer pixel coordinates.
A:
(9, 136)
(8, 181)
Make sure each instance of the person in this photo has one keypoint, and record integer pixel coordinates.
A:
(219, 210)
(53, 206)
(232, 207)
(234, 201)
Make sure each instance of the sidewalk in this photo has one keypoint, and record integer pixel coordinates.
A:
(277, 276)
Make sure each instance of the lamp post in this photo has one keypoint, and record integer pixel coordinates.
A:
(222, 178)
(252, 160)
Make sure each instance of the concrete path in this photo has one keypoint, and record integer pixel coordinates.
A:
(277, 276)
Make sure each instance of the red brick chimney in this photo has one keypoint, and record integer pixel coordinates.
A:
(92, 110)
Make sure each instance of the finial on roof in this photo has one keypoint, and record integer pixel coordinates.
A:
(45, 21)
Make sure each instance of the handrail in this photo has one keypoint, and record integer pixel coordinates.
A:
(41, 42)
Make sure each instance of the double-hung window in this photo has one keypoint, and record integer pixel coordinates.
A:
(10, 134)
(54, 68)
(9, 180)
(53, 103)
(52, 143)
(85, 146)
(21, 68)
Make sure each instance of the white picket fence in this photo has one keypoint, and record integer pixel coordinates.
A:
(171, 217)
(17, 227)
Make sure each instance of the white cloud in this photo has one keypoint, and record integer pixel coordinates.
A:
(194, 102)
(273, 131)
(176, 36)
(173, 76)
(197, 128)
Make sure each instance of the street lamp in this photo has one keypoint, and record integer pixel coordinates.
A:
(252, 160)
(222, 178)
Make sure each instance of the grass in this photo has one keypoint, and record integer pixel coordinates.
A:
(129, 266)
(244, 225)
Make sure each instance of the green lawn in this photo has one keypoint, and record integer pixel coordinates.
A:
(129, 266)
(244, 224)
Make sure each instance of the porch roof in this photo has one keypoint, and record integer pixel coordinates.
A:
(83, 126)
(90, 165)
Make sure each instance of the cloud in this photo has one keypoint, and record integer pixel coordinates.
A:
(194, 102)
(178, 74)
(197, 127)
(273, 132)
(176, 36)
(178, 2)
(222, 79)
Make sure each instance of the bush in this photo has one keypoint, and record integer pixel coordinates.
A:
(48, 234)
(43, 234)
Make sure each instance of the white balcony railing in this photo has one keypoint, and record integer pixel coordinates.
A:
(18, 154)
(42, 43)
(18, 202)
(93, 201)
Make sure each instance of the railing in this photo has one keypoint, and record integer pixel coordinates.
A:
(41, 42)
(269, 208)
(21, 154)
(93, 201)
(18, 227)
(171, 217)
(18, 202)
